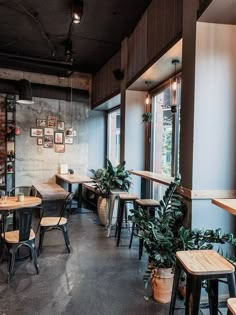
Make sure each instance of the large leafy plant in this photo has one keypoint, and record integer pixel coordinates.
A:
(160, 230)
(111, 177)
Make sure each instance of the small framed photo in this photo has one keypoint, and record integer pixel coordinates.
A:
(68, 140)
(48, 131)
(40, 141)
(60, 125)
(36, 132)
(52, 122)
(59, 137)
(59, 148)
(41, 123)
(48, 142)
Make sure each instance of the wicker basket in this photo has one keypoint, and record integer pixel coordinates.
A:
(102, 207)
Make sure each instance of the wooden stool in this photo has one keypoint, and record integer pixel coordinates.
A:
(123, 199)
(146, 204)
(201, 265)
(231, 303)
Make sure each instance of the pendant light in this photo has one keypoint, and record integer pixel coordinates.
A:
(174, 88)
(69, 131)
(25, 92)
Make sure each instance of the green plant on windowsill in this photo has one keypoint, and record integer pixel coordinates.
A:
(107, 179)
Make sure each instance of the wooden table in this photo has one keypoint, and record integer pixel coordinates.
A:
(151, 176)
(71, 179)
(12, 203)
(226, 204)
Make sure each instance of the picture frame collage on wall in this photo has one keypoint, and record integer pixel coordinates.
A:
(50, 133)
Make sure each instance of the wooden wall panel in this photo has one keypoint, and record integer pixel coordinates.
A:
(164, 25)
(137, 48)
(104, 82)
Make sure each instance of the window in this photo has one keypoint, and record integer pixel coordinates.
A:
(113, 136)
(165, 132)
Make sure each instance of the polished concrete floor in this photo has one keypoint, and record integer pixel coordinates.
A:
(96, 278)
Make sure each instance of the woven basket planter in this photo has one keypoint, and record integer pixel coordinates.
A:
(102, 208)
(162, 282)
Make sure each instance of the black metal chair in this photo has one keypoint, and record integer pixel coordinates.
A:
(56, 223)
(22, 236)
(26, 190)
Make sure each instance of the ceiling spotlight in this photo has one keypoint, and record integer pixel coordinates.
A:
(77, 11)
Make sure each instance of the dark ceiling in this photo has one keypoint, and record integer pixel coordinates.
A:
(33, 34)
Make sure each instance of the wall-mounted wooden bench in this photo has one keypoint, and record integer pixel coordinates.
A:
(50, 192)
(90, 193)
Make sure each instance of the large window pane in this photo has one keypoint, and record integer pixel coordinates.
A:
(113, 136)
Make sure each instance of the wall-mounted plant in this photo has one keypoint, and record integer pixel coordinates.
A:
(146, 117)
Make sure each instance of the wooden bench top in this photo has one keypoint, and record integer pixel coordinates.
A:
(90, 186)
(231, 303)
(51, 191)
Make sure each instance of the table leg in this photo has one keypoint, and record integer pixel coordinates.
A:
(80, 197)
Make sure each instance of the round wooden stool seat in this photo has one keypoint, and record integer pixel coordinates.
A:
(128, 196)
(147, 202)
(231, 303)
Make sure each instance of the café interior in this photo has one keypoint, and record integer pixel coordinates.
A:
(117, 138)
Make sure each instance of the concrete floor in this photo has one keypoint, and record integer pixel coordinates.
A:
(96, 278)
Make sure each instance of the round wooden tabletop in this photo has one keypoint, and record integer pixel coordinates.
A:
(12, 203)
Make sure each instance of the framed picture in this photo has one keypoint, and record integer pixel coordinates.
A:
(68, 140)
(41, 123)
(40, 141)
(59, 137)
(52, 122)
(36, 132)
(48, 131)
(48, 142)
(59, 148)
(61, 125)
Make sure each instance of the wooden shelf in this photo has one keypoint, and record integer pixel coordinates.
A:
(226, 204)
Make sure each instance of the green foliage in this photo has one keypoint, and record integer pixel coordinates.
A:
(111, 177)
(160, 232)
(200, 239)
(147, 117)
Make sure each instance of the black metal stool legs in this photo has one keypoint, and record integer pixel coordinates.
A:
(174, 289)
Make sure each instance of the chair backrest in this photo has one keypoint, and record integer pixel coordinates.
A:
(26, 190)
(24, 221)
(66, 205)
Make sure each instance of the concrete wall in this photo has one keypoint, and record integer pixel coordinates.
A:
(36, 164)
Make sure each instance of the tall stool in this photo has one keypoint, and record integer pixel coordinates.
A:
(231, 303)
(201, 265)
(148, 205)
(123, 200)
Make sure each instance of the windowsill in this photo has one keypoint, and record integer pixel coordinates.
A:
(155, 177)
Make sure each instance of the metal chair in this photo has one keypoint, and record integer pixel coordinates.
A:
(56, 223)
(26, 190)
(20, 237)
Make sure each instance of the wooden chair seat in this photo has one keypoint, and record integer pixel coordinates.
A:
(231, 303)
(128, 196)
(200, 262)
(147, 202)
(12, 237)
(50, 221)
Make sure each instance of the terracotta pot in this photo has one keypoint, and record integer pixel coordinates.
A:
(162, 282)
(102, 206)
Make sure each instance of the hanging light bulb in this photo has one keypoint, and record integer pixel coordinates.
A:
(147, 99)
(174, 88)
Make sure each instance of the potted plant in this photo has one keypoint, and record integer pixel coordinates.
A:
(107, 179)
(161, 238)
